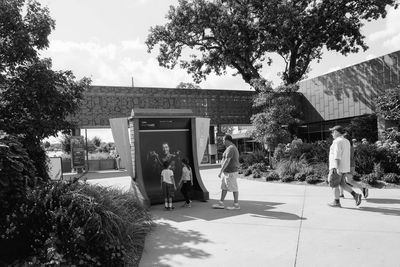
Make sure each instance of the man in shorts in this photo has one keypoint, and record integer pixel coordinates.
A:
(229, 174)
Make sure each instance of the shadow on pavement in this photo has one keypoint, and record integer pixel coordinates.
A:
(170, 241)
(384, 211)
(204, 211)
(383, 200)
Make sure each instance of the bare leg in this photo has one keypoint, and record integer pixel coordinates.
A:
(223, 195)
(236, 197)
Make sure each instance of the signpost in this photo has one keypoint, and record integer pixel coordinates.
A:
(77, 153)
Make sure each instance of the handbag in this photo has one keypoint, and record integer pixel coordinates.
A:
(334, 178)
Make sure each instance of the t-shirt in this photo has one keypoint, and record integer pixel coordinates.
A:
(232, 153)
(340, 149)
(167, 175)
(186, 174)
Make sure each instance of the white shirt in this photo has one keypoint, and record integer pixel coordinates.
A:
(167, 175)
(340, 149)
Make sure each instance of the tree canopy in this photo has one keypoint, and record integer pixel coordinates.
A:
(183, 85)
(35, 101)
(240, 34)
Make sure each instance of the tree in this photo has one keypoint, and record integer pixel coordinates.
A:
(36, 102)
(364, 127)
(96, 141)
(240, 33)
(183, 85)
(388, 104)
(276, 109)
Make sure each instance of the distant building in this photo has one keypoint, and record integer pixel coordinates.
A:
(339, 96)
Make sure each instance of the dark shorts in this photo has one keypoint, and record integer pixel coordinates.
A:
(168, 190)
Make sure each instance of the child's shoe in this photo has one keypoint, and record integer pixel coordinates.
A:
(219, 205)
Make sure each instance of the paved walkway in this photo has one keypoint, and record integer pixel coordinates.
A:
(278, 225)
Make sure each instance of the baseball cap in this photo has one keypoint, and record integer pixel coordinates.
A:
(338, 128)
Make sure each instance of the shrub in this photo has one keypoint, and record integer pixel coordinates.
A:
(287, 178)
(75, 224)
(320, 169)
(252, 158)
(256, 174)
(247, 172)
(287, 167)
(313, 179)
(365, 157)
(301, 176)
(393, 178)
(378, 171)
(261, 167)
(17, 173)
(272, 176)
(369, 178)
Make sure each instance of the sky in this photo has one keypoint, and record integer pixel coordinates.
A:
(105, 40)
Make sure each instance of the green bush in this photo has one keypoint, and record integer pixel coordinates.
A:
(75, 224)
(311, 152)
(369, 178)
(393, 178)
(313, 179)
(256, 174)
(378, 171)
(17, 174)
(272, 176)
(288, 167)
(249, 159)
(365, 157)
(287, 178)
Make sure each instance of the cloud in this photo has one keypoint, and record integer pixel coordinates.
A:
(391, 31)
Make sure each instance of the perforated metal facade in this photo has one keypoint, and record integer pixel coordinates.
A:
(223, 106)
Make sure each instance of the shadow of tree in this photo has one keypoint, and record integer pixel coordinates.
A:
(169, 241)
(204, 211)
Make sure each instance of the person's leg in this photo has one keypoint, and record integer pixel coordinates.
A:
(341, 191)
(236, 197)
(364, 190)
(223, 195)
(345, 186)
(233, 186)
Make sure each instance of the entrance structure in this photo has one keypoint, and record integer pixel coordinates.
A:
(158, 136)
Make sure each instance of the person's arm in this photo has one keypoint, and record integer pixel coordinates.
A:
(224, 165)
(173, 180)
(161, 180)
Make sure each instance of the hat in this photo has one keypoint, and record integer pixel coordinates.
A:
(338, 128)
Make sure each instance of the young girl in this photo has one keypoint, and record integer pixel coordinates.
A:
(186, 181)
(168, 185)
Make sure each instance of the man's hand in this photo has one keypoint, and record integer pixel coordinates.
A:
(219, 175)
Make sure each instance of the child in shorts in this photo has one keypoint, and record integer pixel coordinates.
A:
(168, 185)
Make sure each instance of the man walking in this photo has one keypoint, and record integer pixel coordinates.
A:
(228, 174)
(339, 162)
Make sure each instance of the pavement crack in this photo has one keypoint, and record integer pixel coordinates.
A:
(301, 224)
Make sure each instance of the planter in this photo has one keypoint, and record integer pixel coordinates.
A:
(107, 164)
(94, 164)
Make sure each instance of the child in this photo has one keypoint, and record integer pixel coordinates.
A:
(186, 182)
(168, 185)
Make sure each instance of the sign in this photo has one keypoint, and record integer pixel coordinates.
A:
(77, 152)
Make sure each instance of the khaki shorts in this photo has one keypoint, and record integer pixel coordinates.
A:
(229, 181)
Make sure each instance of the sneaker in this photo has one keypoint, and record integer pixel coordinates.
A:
(172, 207)
(166, 208)
(365, 192)
(219, 205)
(357, 198)
(342, 196)
(334, 204)
(188, 205)
(234, 207)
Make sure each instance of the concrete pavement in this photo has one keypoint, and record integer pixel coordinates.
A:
(278, 225)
